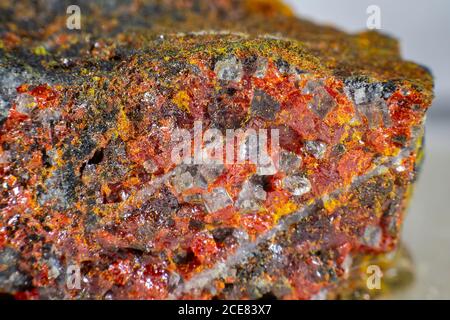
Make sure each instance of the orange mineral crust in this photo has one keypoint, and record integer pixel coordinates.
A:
(87, 121)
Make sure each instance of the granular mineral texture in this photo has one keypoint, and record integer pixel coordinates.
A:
(92, 205)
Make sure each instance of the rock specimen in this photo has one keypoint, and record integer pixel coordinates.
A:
(91, 206)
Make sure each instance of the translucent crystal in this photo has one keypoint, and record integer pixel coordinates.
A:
(322, 102)
(216, 200)
(283, 66)
(316, 148)
(195, 198)
(54, 267)
(25, 103)
(210, 172)
(266, 168)
(49, 116)
(372, 236)
(185, 177)
(264, 106)
(183, 181)
(261, 67)
(361, 91)
(150, 166)
(229, 69)
(297, 185)
(200, 182)
(370, 99)
(251, 197)
(289, 162)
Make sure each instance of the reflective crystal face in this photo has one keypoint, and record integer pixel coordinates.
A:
(216, 200)
(229, 69)
(322, 102)
(183, 181)
(251, 197)
(289, 162)
(297, 185)
(210, 172)
(370, 100)
(372, 236)
(316, 148)
(261, 67)
(264, 106)
(186, 177)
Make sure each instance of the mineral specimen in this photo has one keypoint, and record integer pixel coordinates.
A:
(87, 117)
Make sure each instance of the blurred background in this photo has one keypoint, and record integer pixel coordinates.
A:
(423, 28)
